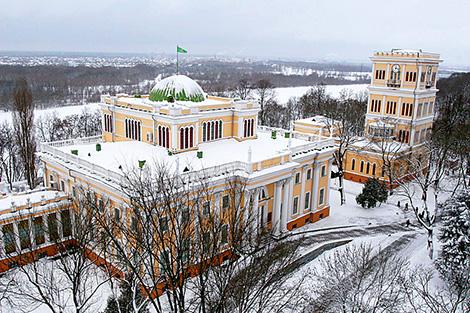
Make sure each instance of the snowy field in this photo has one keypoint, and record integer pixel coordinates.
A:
(60, 111)
(283, 94)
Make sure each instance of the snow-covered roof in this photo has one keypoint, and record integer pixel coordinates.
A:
(177, 87)
(317, 120)
(27, 199)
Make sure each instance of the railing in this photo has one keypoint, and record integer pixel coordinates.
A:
(50, 148)
(395, 83)
(78, 141)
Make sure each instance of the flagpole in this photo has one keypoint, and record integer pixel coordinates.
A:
(177, 60)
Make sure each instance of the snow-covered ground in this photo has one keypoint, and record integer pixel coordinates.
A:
(283, 94)
(60, 111)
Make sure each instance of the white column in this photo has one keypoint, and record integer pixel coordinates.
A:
(285, 205)
(196, 135)
(303, 175)
(277, 209)
(16, 233)
(418, 79)
(316, 176)
(327, 193)
(174, 137)
(255, 212)
(240, 127)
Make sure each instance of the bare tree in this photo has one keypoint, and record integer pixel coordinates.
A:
(423, 296)
(72, 280)
(356, 279)
(23, 123)
(10, 165)
(243, 89)
(264, 90)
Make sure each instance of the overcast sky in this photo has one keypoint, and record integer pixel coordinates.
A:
(295, 29)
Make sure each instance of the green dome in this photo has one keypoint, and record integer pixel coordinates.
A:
(177, 87)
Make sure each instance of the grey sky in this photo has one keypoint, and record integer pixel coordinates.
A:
(297, 29)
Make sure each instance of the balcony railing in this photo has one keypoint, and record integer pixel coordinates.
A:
(394, 83)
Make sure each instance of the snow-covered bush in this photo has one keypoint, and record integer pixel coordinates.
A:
(455, 236)
(373, 191)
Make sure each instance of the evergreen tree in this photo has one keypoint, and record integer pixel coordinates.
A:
(126, 300)
(373, 191)
(455, 236)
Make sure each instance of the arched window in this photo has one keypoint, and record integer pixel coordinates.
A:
(191, 136)
(216, 130)
(186, 138)
(220, 129)
(368, 168)
(245, 128)
(212, 130)
(204, 131)
(181, 138)
(362, 166)
(353, 164)
(252, 127)
(373, 169)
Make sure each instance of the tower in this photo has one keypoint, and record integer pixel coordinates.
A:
(400, 112)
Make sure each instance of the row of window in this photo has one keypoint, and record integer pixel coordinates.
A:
(362, 169)
(108, 123)
(424, 109)
(186, 137)
(41, 225)
(422, 135)
(321, 201)
(133, 129)
(248, 127)
(212, 130)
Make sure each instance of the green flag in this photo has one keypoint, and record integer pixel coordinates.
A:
(181, 50)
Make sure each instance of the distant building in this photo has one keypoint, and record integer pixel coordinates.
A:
(318, 125)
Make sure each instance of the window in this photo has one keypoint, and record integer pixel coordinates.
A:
(323, 171)
(38, 230)
(100, 205)
(406, 109)
(249, 127)
(185, 215)
(62, 185)
(225, 201)
(163, 222)
(9, 241)
(186, 137)
(321, 198)
(373, 169)
(391, 107)
(353, 164)
(117, 215)
(23, 231)
(367, 168)
(133, 129)
(52, 227)
(134, 224)
(206, 208)
(51, 181)
(66, 223)
(206, 237)
(149, 137)
(164, 136)
(376, 106)
(295, 207)
(309, 174)
(164, 262)
(297, 178)
(307, 200)
(212, 130)
(186, 245)
(380, 74)
(108, 123)
(403, 136)
(224, 234)
(74, 191)
(362, 166)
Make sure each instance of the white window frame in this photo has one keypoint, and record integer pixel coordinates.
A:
(307, 200)
(321, 197)
(295, 206)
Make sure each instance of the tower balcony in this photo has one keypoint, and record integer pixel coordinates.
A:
(394, 83)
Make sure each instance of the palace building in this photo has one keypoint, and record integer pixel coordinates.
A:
(177, 124)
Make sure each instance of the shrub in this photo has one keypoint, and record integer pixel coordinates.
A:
(373, 191)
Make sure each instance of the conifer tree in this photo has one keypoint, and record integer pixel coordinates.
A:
(373, 191)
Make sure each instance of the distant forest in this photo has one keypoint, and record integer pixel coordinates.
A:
(58, 85)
